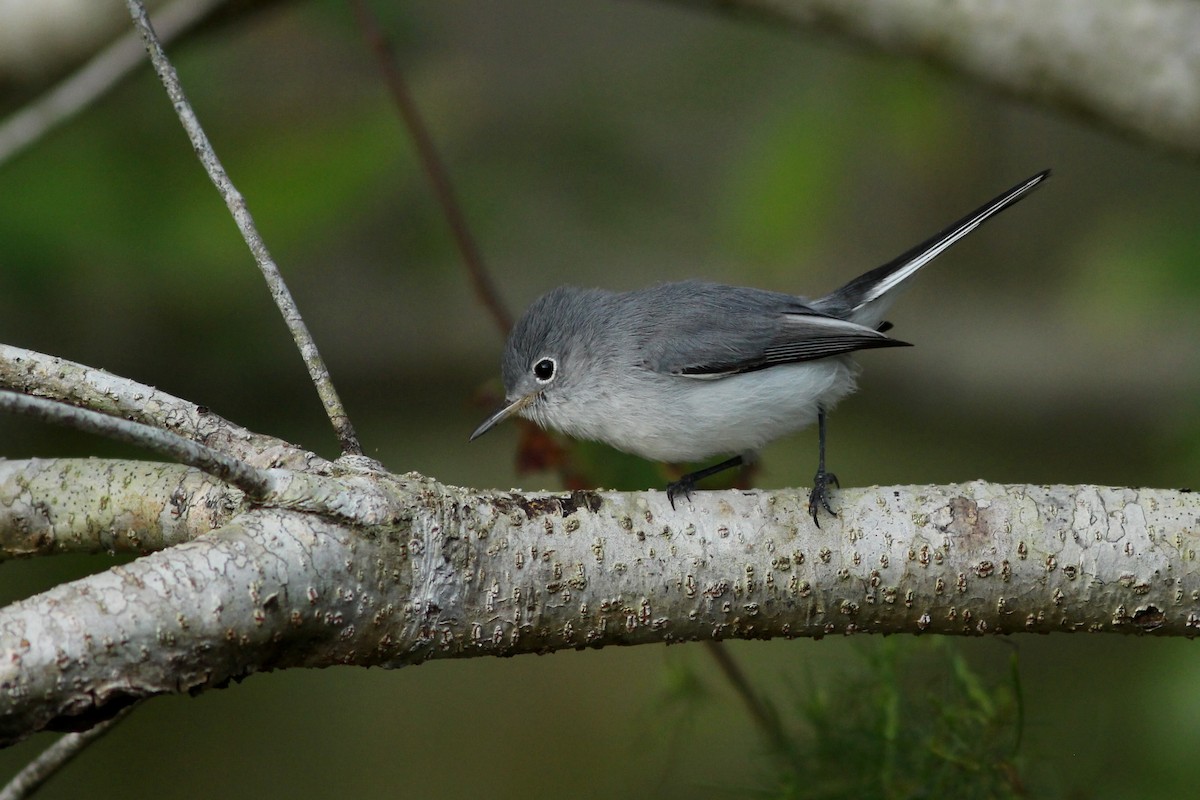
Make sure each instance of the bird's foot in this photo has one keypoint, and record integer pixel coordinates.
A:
(687, 483)
(818, 498)
(683, 486)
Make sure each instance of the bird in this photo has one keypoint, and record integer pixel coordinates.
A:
(686, 371)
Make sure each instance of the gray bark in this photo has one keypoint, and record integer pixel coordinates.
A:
(1133, 66)
(56, 506)
(356, 566)
(344, 563)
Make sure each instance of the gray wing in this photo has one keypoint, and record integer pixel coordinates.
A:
(704, 330)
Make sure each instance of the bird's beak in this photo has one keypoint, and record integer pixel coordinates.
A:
(503, 414)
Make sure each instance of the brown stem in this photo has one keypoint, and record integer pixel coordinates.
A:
(762, 714)
(435, 170)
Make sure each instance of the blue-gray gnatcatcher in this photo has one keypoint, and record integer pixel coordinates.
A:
(685, 371)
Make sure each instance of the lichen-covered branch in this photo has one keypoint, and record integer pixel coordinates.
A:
(432, 571)
(1133, 66)
(255, 482)
(50, 506)
(41, 375)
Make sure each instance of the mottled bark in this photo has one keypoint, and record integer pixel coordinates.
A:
(50, 506)
(343, 563)
(396, 570)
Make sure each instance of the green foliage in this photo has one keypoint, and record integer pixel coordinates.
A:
(915, 720)
(918, 722)
(1129, 270)
(786, 188)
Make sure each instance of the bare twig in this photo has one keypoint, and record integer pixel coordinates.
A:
(94, 79)
(254, 482)
(55, 757)
(762, 714)
(317, 370)
(34, 373)
(435, 170)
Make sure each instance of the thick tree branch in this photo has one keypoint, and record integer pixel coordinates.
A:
(51, 506)
(1133, 66)
(411, 570)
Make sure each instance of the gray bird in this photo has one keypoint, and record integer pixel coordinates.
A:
(685, 371)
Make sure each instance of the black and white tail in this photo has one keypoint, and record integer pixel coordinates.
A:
(867, 298)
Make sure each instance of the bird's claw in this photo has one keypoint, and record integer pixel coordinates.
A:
(683, 486)
(818, 498)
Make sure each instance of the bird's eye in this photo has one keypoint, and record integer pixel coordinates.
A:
(544, 369)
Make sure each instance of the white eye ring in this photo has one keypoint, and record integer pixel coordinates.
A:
(545, 369)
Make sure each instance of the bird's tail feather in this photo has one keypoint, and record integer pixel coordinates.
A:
(867, 298)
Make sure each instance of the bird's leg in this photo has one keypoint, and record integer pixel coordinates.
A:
(819, 497)
(685, 484)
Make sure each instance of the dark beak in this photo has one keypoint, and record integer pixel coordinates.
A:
(501, 415)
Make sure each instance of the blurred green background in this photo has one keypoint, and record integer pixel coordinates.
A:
(610, 144)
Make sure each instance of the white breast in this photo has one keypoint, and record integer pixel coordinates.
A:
(674, 418)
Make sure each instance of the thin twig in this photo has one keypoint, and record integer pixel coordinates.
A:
(256, 483)
(435, 169)
(762, 714)
(317, 371)
(94, 79)
(31, 372)
(55, 757)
